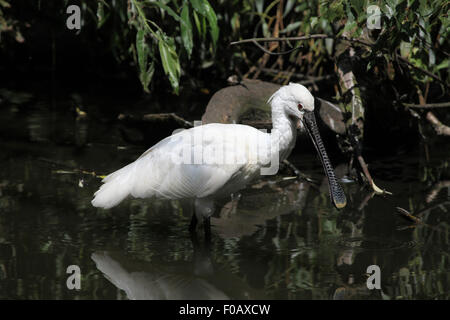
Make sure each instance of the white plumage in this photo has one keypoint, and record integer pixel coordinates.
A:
(212, 160)
(162, 171)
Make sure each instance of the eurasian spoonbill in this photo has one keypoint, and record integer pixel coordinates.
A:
(215, 160)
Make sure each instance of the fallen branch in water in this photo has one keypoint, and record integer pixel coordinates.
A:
(159, 117)
(428, 105)
(408, 215)
(424, 212)
(417, 221)
(365, 201)
(366, 172)
(69, 169)
(439, 127)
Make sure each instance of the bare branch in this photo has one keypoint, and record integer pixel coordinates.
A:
(366, 172)
(436, 189)
(325, 36)
(274, 53)
(159, 117)
(440, 128)
(308, 37)
(307, 79)
(408, 215)
(435, 77)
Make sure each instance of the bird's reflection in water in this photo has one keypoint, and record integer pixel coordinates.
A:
(142, 281)
(261, 202)
(265, 200)
(195, 280)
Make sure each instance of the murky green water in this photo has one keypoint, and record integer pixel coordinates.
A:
(281, 239)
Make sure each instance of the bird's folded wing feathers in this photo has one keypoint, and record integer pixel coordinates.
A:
(182, 167)
(191, 163)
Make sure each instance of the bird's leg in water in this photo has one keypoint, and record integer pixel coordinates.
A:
(193, 224)
(202, 257)
(204, 207)
(207, 228)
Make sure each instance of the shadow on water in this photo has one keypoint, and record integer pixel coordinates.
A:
(280, 238)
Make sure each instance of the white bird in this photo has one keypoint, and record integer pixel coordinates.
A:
(215, 160)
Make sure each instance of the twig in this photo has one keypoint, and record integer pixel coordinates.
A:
(366, 172)
(308, 37)
(307, 79)
(408, 215)
(439, 127)
(417, 221)
(428, 73)
(297, 172)
(436, 189)
(428, 105)
(366, 200)
(70, 169)
(159, 117)
(275, 53)
(315, 80)
(431, 208)
(325, 36)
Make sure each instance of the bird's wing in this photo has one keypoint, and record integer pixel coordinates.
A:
(198, 162)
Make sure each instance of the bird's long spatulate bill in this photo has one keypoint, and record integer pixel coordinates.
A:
(336, 193)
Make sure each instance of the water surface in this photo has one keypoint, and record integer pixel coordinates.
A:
(279, 239)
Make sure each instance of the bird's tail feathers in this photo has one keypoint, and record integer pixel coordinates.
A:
(116, 187)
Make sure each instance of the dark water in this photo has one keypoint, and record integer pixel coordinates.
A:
(282, 239)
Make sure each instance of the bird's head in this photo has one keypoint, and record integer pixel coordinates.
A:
(297, 103)
(294, 100)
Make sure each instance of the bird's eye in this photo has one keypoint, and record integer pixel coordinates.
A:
(300, 107)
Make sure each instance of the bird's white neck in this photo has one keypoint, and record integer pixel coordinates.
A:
(285, 127)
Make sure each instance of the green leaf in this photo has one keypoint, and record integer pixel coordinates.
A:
(166, 8)
(212, 19)
(235, 22)
(198, 6)
(170, 61)
(443, 65)
(186, 29)
(198, 24)
(292, 26)
(350, 25)
(288, 7)
(101, 17)
(143, 51)
(204, 8)
(146, 76)
(4, 4)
